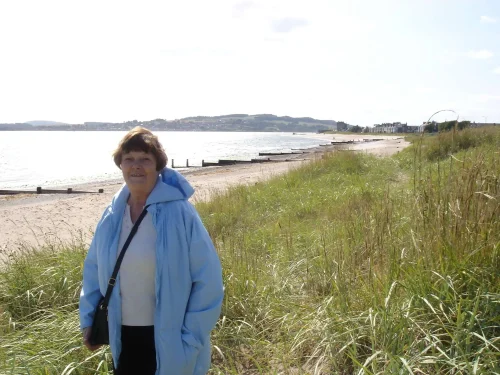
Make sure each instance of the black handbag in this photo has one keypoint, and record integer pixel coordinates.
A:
(99, 333)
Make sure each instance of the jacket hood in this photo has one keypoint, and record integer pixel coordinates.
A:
(170, 186)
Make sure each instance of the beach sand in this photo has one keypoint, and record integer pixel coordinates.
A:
(35, 220)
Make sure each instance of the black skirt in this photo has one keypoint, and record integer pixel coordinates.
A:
(138, 355)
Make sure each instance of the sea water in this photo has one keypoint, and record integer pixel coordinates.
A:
(56, 158)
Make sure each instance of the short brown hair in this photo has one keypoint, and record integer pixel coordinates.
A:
(141, 139)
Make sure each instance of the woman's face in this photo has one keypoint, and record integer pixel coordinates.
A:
(139, 170)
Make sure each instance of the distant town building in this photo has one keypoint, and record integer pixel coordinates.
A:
(94, 125)
(395, 127)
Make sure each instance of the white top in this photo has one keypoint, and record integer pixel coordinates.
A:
(137, 272)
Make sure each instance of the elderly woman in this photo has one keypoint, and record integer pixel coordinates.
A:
(168, 293)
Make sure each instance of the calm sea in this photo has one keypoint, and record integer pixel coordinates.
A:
(29, 159)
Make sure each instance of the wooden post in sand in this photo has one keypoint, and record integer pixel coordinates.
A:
(173, 164)
(187, 163)
(39, 190)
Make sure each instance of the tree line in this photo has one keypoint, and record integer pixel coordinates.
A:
(434, 127)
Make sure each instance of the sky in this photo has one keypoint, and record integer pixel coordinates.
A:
(360, 61)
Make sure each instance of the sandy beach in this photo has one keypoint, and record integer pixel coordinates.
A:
(35, 220)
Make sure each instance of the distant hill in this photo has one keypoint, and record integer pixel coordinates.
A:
(45, 123)
(233, 122)
(260, 122)
(263, 117)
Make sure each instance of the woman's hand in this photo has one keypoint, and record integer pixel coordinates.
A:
(86, 335)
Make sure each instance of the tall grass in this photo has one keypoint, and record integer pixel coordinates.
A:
(39, 327)
(443, 144)
(350, 265)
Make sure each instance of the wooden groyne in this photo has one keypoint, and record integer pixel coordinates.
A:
(222, 162)
(40, 190)
(274, 156)
(342, 142)
(281, 153)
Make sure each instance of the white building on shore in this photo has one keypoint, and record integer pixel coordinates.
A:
(396, 127)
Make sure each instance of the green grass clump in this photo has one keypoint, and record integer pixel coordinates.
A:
(39, 280)
(441, 145)
(39, 326)
(351, 264)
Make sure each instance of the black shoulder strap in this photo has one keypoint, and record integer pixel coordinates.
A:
(112, 280)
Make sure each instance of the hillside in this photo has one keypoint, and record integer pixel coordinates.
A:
(45, 123)
(233, 122)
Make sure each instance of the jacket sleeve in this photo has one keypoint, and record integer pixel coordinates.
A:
(207, 291)
(90, 294)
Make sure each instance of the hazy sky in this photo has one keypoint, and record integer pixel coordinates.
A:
(360, 61)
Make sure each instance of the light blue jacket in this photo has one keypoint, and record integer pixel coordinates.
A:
(189, 288)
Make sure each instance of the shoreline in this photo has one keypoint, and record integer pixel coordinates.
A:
(71, 179)
(35, 220)
(79, 183)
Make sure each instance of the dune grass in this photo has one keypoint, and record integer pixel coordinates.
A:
(349, 265)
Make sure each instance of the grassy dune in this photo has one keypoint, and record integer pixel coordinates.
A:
(350, 265)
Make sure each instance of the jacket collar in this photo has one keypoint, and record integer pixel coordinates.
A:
(170, 186)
